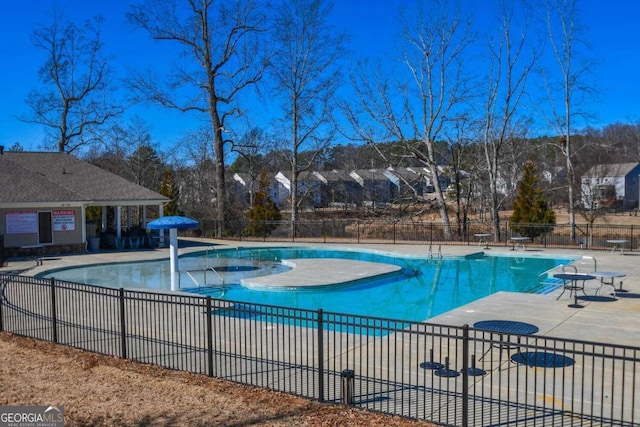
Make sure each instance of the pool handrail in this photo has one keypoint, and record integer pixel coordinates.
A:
(581, 261)
(267, 250)
(548, 273)
(205, 276)
(215, 272)
(563, 268)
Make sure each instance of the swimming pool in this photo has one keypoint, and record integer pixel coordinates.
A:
(423, 289)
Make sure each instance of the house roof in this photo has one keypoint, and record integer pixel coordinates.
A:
(336, 175)
(610, 169)
(303, 176)
(371, 174)
(52, 178)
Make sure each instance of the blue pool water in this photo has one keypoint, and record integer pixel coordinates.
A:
(425, 288)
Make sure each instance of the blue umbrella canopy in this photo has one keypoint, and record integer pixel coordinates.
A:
(168, 222)
(173, 224)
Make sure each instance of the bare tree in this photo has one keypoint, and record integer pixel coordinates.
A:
(434, 37)
(129, 151)
(146, 165)
(564, 32)
(79, 80)
(622, 141)
(464, 167)
(252, 147)
(195, 173)
(597, 195)
(306, 74)
(510, 64)
(220, 42)
(435, 40)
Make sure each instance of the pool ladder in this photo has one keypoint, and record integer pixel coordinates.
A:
(438, 254)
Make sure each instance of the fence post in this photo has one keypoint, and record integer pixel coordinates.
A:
(209, 338)
(54, 316)
(3, 280)
(347, 386)
(293, 231)
(465, 375)
(123, 326)
(394, 231)
(506, 233)
(324, 231)
(320, 356)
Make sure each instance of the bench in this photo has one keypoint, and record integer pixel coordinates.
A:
(35, 251)
(159, 241)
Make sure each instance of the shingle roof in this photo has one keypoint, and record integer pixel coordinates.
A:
(613, 169)
(51, 177)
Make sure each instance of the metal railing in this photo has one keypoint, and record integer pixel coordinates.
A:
(449, 375)
(586, 236)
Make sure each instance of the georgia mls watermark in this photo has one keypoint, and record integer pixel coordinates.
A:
(31, 416)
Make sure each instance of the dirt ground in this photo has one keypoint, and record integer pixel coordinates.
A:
(107, 391)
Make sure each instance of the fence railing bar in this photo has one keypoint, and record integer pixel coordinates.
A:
(269, 346)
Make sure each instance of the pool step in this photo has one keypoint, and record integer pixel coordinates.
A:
(547, 287)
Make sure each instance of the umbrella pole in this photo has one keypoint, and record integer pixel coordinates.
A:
(173, 256)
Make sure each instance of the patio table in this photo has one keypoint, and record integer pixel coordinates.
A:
(519, 241)
(605, 276)
(505, 327)
(618, 243)
(571, 283)
(483, 238)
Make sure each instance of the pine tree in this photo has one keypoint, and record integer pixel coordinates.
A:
(263, 210)
(169, 189)
(530, 207)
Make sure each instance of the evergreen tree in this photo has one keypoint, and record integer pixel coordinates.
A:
(169, 189)
(263, 210)
(530, 207)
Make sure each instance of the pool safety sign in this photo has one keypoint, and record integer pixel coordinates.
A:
(19, 222)
(64, 220)
(31, 416)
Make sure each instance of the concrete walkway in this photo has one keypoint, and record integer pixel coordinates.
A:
(602, 318)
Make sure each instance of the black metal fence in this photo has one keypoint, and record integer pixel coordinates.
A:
(586, 236)
(445, 374)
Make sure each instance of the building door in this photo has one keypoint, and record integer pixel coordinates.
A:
(45, 234)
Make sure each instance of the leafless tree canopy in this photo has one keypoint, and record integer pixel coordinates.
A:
(566, 83)
(76, 93)
(305, 73)
(220, 57)
(511, 58)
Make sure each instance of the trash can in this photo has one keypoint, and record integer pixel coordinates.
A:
(348, 384)
(94, 244)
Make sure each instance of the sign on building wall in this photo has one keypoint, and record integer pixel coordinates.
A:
(20, 222)
(64, 220)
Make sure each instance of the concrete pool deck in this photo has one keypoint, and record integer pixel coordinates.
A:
(318, 272)
(602, 319)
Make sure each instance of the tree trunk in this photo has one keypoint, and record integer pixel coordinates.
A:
(218, 143)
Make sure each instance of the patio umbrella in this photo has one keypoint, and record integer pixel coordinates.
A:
(173, 224)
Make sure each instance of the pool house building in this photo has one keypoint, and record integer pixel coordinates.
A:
(44, 199)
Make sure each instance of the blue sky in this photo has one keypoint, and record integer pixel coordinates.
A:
(612, 32)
